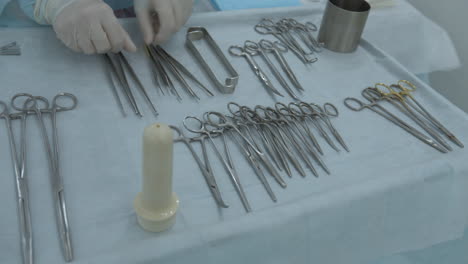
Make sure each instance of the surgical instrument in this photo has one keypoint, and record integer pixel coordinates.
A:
(283, 30)
(175, 72)
(278, 135)
(239, 51)
(292, 108)
(113, 62)
(262, 134)
(200, 33)
(183, 69)
(305, 33)
(165, 79)
(255, 48)
(138, 82)
(52, 150)
(22, 192)
(250, 141)
(224, 122)
(329, 110)
(255, 165)
(292, 119)
(205, 166)
(357, 105)
(120, 74)
(405, 92)
(164, 63)
(312, 115)
(112, 76)
(154, 69)
(398, 101)
(226, 161)
(277, 48)
(272, 30)
(287, 138)
(11, 48)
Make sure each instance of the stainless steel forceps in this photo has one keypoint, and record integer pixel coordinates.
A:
(52, 151)
(402, 86)
(277, 48)
(399, 102)
(19, 168)
(357, 105)
(281, 32)
(241, 52)
(223, 122)
(329, 110)
(205, 166)
(254, 48)
(227, 162)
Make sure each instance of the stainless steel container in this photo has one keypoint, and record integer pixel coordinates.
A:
(343, 23)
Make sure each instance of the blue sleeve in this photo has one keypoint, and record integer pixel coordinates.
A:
(3, 3)
(12, 15)
(27, 6)
(119, 4)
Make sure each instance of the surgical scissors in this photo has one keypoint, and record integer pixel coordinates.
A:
(19, 168)
(255, 48)
(205, 166)
(357, 105)
(239, 51)
(53, 157)
(227, 162)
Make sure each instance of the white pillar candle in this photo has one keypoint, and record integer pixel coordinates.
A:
(157, 204)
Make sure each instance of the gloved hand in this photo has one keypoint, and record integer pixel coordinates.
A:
(90, 26)
(159, 19)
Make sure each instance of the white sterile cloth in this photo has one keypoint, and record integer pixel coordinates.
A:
(395, 26)
(391, 193)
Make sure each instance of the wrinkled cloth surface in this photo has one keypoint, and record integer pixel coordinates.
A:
(390, 194)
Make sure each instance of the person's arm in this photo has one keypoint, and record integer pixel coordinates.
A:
(3, 4)
(159, 19)
(87, 26)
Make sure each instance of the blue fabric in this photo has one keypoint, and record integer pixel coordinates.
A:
(12, 15)
(119, 4)
(17, 13)
(247, 4)
(452, 252)
(3, 3)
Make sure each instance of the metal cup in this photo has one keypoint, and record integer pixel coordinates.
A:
(343, 24)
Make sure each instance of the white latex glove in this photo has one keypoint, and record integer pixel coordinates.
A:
(90, 26)
(159, 19)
